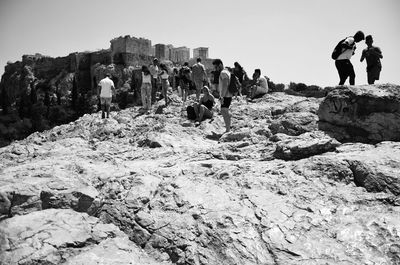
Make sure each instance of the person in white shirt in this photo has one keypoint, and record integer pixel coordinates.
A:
(145, 89)
(260, 86)
(225, 95)
(343, 65)
(199, 75)
(106, 90)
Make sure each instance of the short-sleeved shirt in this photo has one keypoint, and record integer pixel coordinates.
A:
(263, 83)
(106, 85)
(348, 53)
(225, 74)
(154, 70)
(198, 72)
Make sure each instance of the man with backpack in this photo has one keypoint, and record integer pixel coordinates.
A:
(225, 94)
(342, 53)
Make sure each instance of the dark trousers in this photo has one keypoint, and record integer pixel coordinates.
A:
(345, 69)
(154, 89)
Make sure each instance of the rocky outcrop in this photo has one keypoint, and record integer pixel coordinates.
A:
(41, 92)
(362, 113)
(66, 237)
(184, 194)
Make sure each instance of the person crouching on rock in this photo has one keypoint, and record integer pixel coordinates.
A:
(203, 109)
(106, 90)
(145, 89)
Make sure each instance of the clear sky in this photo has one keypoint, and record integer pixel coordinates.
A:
(289, 40)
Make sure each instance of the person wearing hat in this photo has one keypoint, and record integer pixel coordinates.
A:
(154, 71)
(105, 91)
(373, 56)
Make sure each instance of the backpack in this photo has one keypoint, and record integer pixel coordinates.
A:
(191, 114)
(234, 84)
(338, 50)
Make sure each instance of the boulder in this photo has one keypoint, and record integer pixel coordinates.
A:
(305, 145)
(294, 123)
(362, 113)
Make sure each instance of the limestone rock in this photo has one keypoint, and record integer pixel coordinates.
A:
(198, 199)
(365, 113)
(294, 123)
(65, 236)
(305, 145)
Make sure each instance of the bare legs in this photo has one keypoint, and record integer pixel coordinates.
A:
(227, 118)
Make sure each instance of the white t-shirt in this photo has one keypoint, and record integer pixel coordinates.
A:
(263, 84)
(106, 85)
(348, 53)
(225, 74)
(154, 71)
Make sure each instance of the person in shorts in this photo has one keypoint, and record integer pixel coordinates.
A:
(106, 90)
(225, 95)
(373, 56)
(184, 80)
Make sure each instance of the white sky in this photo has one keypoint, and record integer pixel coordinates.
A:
(289, 40)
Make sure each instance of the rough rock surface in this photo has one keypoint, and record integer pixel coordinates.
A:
(362, 113)
(56, 236)
(185, 195)
(305, 145)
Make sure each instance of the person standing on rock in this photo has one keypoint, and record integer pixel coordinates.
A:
(225, 95)
(105, 92)
(146, 89)
(198, 76)
(185, 75)
(241, 74)
(373, 56)
(164, 82)
(346, 50)
(154, 71)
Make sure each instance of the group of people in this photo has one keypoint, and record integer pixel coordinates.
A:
(186, 77)
(346, 49)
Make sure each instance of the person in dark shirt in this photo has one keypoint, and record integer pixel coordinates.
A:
(373, 56)
(184, 80)
(203, 109)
